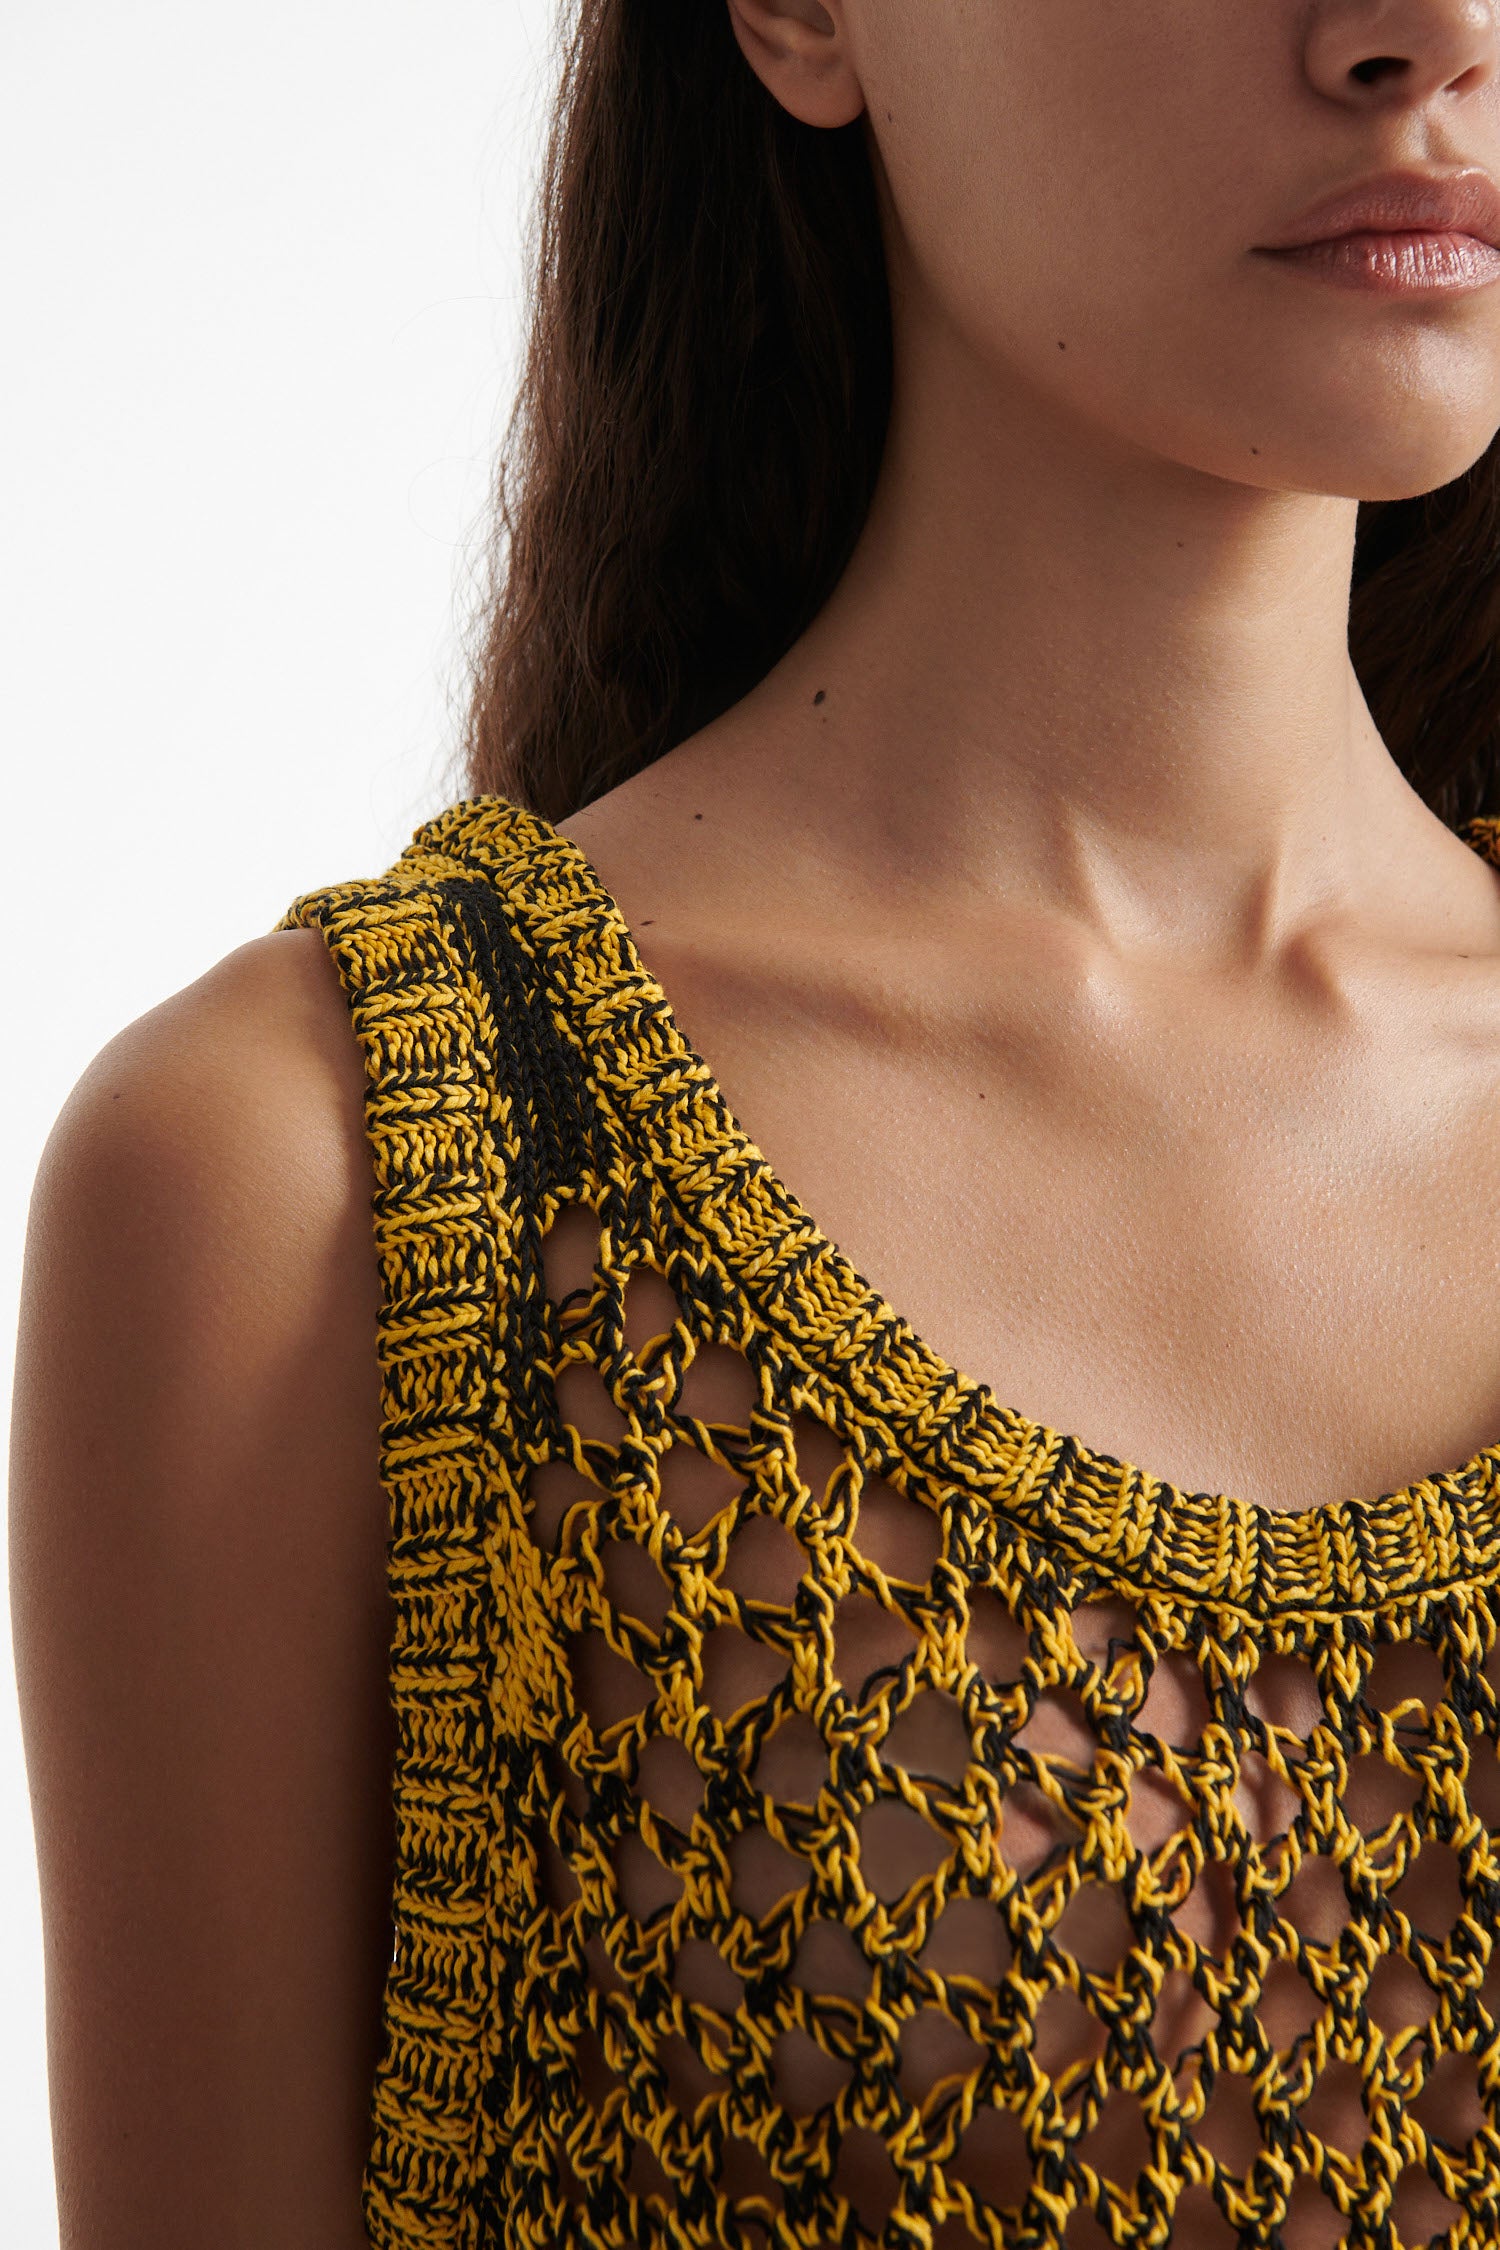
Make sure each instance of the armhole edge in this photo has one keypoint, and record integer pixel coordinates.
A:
(437, 1122)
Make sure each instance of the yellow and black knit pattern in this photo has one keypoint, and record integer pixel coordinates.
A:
(833, 1809)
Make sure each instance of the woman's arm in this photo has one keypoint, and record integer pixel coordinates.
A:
(201, 1619)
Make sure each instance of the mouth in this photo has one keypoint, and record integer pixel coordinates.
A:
(1409, 263)
(1399, 233)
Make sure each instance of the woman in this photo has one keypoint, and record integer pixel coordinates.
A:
(924, 823)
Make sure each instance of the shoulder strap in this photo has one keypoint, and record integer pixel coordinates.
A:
(464, 1158)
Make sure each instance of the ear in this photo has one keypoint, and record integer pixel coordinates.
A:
(800, 52)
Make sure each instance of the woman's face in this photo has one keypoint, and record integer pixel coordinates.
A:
(1078, 192)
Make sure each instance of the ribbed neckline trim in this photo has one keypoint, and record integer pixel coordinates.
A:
(1135, 1531)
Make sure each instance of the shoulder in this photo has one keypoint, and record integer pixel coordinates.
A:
(200, 1292)
(198, 1560)
(254, 1059)
(203, 1205)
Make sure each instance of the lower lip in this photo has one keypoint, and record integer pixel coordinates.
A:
(1397, 265)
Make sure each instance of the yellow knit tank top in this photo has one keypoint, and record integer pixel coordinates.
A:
(833, 1809)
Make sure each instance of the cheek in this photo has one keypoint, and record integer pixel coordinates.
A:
(1050, 184)
(1029, 154)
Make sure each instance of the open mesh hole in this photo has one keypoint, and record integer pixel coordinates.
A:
(1033, 1829)
(1283, 1693)
(569, 2187)
(870, 1642)
(596, 2081)
(564, 1786)
(1095, 1928)
(934, 2048)
(807, 2077)
(695, 1488)
(1450, 2107)
(559, 1885)
(1334, 2111)
(1230, 2126)
(718, 1388)
(899, 1536)
(1066, 2032)
(1431, 1892)
(792, 1763)
(1059, 1729)
(1379, 1793)
(1315, 1902)
(897, 1848)
(1422, 2211)
(1400, 1998)
(669, 1781)
(1106, 1630)
(1118, 2146)
(646, 1887)
(701, 1975)
(645, 2176)
(830, 1965)
(1406, 1684)
(1288, 2007)
(552, 1492)
(995, 1641)
(1312, 2222)
(1199, 2224)
(1265, 1802)
(746, 2177)
(1175, 1708)
(738, 1671)
(651, 1314)
(867, 2178)
(690, 2082)
(968, 1939)
(608, 1687)
(570, 1257)
(765, 1563)
(1210, 1914)
(817, 1457)
(762, 1873)
(930, 1739)
(586, 1404)
(1157, 1814)
(1083, 2232)
(994, 2160)
(633, 1585)
(603, 1975)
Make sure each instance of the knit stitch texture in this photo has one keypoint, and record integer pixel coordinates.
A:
(833, 1809)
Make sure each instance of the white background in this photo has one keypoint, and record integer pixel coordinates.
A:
(261, 275)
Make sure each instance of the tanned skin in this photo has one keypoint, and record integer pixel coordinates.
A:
(1053, 916)
(202, 1623)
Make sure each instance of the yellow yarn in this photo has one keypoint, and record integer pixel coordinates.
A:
(865, 1815)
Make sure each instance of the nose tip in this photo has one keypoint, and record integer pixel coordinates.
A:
(1401, 53)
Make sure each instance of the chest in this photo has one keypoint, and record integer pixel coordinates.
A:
(1250, 1251)
(867, 1786)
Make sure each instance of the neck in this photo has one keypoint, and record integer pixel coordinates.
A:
(1060, 663)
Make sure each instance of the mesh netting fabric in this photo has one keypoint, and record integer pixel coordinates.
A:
(831, 1808)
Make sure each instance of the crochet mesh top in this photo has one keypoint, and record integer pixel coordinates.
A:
(833, 1809)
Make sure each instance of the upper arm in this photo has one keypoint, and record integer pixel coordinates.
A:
(202, 1622)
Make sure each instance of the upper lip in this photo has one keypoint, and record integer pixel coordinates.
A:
(1463, 202)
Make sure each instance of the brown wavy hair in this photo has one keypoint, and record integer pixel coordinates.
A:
(700, 424)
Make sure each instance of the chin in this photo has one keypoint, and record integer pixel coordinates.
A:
(1404, 470)
(1377, 453)
(1395, 428)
